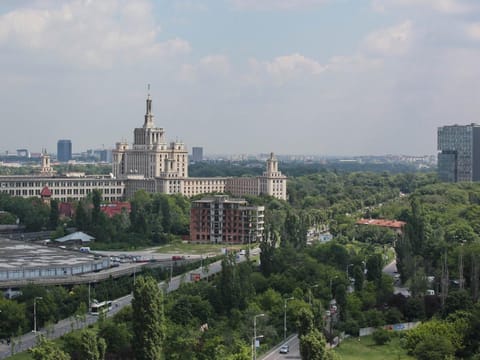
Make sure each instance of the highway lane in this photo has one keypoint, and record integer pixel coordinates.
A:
(27, 341)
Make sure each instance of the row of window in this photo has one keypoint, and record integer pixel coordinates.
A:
(39, 184)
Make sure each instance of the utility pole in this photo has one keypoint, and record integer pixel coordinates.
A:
(255, 335)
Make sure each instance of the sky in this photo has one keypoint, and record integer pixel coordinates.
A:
(322, 77)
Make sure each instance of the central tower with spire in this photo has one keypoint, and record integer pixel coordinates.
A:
(150, 156)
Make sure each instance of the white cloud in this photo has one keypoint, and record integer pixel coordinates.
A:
(395, 40)
(353, 63)
(89, 33)
(190, 5)
(283, 68)
(216, 63)
(212, 66)
(473, 31)
(443, 6)
(276, 4)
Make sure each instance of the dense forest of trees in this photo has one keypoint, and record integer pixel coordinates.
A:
(439, 250)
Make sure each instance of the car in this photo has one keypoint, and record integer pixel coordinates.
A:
(285, 349)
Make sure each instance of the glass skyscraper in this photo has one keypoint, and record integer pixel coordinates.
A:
(459, 153)
(64, 150)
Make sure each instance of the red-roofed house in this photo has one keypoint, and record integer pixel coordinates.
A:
(46, 195)
(115, 208)
(395, 225)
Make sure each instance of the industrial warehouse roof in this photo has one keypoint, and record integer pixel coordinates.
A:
(20, 255)
(76, 236)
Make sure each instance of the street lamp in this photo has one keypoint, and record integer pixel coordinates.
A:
(285, 317)
(254, 350)
(254, 345)
(310, 293)
(35, 312)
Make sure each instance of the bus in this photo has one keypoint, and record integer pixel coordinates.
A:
(98, 308)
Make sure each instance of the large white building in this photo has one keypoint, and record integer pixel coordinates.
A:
(151, 164)
(155, 165)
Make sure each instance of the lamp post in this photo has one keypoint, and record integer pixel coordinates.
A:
(254, 350)
(285, 317)
(35, 312)
(310, 293)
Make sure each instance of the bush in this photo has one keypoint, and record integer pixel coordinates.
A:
(381, 336)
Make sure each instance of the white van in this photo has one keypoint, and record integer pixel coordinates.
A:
(85, 249)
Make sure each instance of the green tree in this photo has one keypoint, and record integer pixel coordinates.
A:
(381, 336)
(47, 350)
(229, 284)
(374, 268)
(148, 319)
(12, 318)
(313, 346)
(305, 321)
(434, 347)
(437, 329)
(91, 347)
(53, 219)
(118, 337)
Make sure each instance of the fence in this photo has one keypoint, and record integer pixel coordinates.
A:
(392, 327)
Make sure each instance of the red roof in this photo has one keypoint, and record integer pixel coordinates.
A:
(393, 224)
(115, 208)
(66, 209)
(46, 192)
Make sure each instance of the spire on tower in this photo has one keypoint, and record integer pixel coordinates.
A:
(148, 115)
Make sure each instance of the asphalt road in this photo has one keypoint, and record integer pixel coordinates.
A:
(294, 353)
(27, 341)
(391, 269)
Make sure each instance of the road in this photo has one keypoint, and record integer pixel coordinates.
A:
(27, 341)
(294, 353)
(391, 269)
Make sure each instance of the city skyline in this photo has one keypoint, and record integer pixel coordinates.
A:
(334, 77)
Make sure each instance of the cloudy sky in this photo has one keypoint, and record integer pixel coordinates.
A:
(327, 77)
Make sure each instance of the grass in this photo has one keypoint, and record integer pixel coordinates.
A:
(353, 349)
(25, 355)
(180, 247)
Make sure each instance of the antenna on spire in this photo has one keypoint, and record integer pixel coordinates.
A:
(148, 88)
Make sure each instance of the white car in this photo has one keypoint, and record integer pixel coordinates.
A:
(284, 349)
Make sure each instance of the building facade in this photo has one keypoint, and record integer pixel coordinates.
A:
(64, 150)
(459, 153)
(154, 165)
(197, 154)
(219, 220)
(151, 164)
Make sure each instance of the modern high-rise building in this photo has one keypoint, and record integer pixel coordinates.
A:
(459, 153)
(197, 154)
(64, 150)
